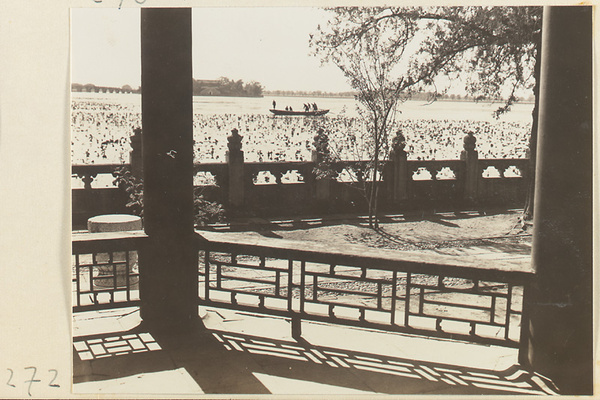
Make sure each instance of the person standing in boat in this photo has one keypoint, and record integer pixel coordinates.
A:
(274, 105)
(314, 106)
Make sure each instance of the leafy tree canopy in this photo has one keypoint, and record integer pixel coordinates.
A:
(492, 48)
(390, 53)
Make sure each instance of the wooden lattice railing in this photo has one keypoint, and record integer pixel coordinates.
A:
(432, 295)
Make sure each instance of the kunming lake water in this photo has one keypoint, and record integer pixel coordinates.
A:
(441, 110)
(102, 123)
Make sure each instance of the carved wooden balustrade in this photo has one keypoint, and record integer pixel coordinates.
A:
(104, 270)
(442, 296)
(432, 295)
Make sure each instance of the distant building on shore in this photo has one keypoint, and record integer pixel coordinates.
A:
(201, 87)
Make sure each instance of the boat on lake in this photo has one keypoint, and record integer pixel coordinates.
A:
(312, 113)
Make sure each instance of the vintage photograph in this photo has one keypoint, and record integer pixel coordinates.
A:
(331, 201)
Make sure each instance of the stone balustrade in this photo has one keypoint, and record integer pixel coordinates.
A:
(293, 188)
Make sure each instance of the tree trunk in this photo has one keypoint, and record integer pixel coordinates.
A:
(376, 224)
(373, 202)
(370, 206)
(528, 208)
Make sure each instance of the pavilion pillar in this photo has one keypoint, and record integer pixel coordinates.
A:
(557, 341)
(169, 262)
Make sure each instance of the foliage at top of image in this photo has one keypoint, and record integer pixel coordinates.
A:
(492, 49)
(389, 54)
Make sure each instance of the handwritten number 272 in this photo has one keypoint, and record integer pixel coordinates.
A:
(32, 380)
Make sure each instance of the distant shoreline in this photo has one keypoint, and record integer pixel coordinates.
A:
(332, 96)
(484, 101)
(339, 96)
(322, 96)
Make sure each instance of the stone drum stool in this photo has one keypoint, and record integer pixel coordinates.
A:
(115, 223)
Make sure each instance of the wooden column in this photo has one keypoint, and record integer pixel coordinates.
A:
(168, 265)
(559, 336)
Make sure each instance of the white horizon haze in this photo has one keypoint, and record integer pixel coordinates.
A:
(264, 44)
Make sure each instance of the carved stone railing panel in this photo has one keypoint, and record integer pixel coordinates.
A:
(209, 174)
(292, 176)
(422, 174)
(93, 176)
(272, 173)
(492, 172)
(265, 178)
(347, 175)
(504, 168)
(355, 171)
(422, 170)
(205, 178)
(445, 173)
(513, 172)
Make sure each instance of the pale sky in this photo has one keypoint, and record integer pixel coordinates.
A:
(264, 44)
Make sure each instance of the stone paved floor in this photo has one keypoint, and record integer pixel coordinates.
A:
(238, 353)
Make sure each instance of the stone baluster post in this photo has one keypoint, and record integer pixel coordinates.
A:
(235, 163)
(471, 177)
(135, 155)
(321, 159)
(397, 171)
(87, 180)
